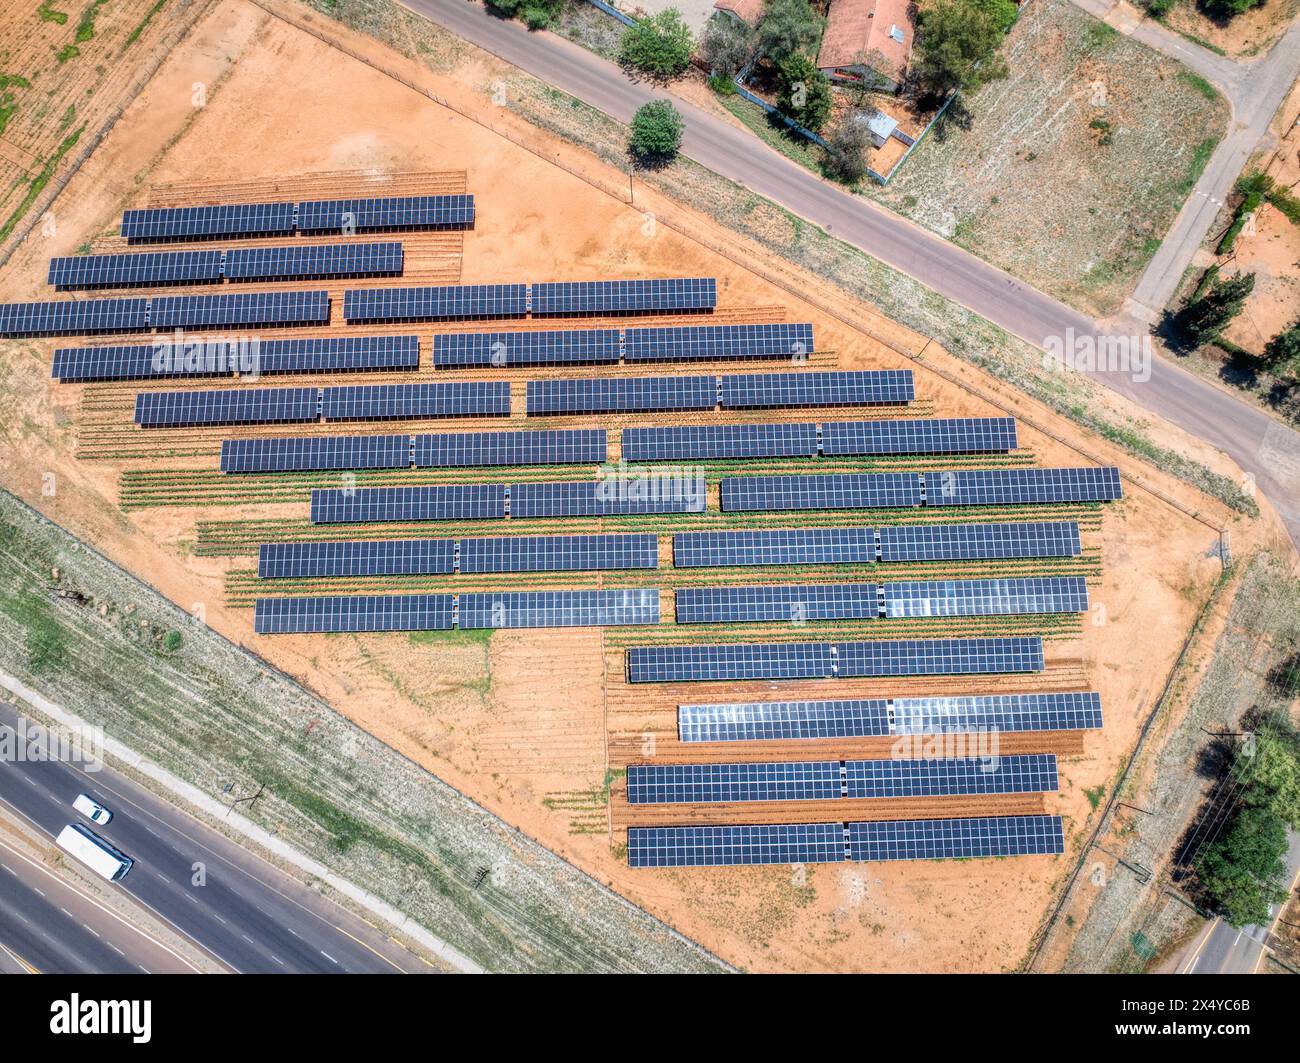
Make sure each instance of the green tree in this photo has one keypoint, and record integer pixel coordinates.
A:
(660, 44)
(1275, 775)
(1223, 10)
(537, 14)
(1243, 872)
(727, 45)
(1204, 318)
(956, 48)
(1282, 352)
(803, 91)
(845, 155)
(656, 133)
(787, 27)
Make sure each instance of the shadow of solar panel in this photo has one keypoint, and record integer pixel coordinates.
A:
(963, 776)
(879, 490)
(962, 542)
(687, 343)
(735, 661)
(399, 402)
(986, 597)
(502, 349)
(997, 712)
(400, 557)
(68, 316)
(720, 846)
(752, 721)
(558, 553)
(584, 446)
(371, 505)
(608, 497)
(361, 305)
(827, 601)
(85, 272)
(386, 213)
(811, 546)
(621, 394)
(953, 839)
(989, 656)
(721, 441)
(670, 784)
(520, 609)
(196, 223)
(301, 261)
(625, 297)
(387, 612)
(308, 453)
(244, 308)
(174, 409)
(985, 487)
(876, 387)
(957, 435)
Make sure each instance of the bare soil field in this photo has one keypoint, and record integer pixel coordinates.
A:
(1245, 36)
(539, 725)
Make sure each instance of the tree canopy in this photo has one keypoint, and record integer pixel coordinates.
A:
(956, 48)
(1282, 352)
(1243, 871)
(787, 27)
(660, 45)
(1204, 318)
(803, 91)
(656, 133)
(727, 45)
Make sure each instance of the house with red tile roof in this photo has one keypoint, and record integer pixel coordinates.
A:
(867, 41)
(749, 12)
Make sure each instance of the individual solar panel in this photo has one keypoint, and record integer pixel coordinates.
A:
(825, 601)
(501, 349)
(966, 542)
(687, 343)
(85, 272)
(792, 843)
(621, 394)
(625, 297)
(400, 557)
(370, 505)
(608, 497)
(986, 597)
(772, 720)
(873, 387)
(956, 435)
(191, 223)
(558, 553)
(1025, 773)
(720, 442)
(434, 303)
(584, 446)
(808, 546)
(953, 839)
(1021, 486)
(873, 490)
(302, 261)
(988, 656)
(527, 609)
(74, 316)
(997, 712)
(240, 309)
(400, 402)
(309, 453)
(385, 612)
(386, 213)
(670, 784)
(173, 409)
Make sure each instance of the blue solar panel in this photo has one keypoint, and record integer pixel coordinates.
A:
(397, 402)
(306, 453)
(435, 303)
(244, 308)
(189, 223)
(502, 349)
(934, 839)
(837, 388)
(721, 442)
(386, 213)
(84, 272)
(962, 542)
(667, 784)
(624, 297)
(717, 846)
(402, 557)
(964, 776)
(173, 409)
(369, 505)
(997, 712)
(826, 601)
(608, 497)
(988, 656)
(621, 394)
(812, 546)
(299, 261)
(527, 609)
(558, 553)
(1021, 486)
(959, 435)
(827, 491)
(685, 343)
(585, 446)
(986, 597)
(74, 316)
(387, 612)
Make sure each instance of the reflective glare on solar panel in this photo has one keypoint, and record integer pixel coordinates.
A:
(625, 297)
(935, 839)
(558, 553)
(611, 496)
(370, 505)
(386, 213)
(583, 446)
(296, 261)
(960, 542)
(173, 409)
(988, 656)
(434, 303)
(721, 441)
(244, 308)
(1073, 711)
(965, 776)
(386, 612)
(84, 272)
(873, 490)
(809, 546)
(718, 846)
(501, 349)
(400, 402)
(188, 223)
(751, 721)
(400, 557)
(687, 343)
(795, 605)
(306, 453)
(74, 316)
(856, 388)
(986, 597)
(520, 609)
(667, 784)
(1021, 486)
(621, 394)
(959, 435)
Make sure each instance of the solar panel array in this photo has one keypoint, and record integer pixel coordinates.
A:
(1022, 486)
(954, 435)
(665, 784)
(878, 717)
(188, 223)
(385, 612)
(501, 349)
(174, 409)
(986, 597)
(73, 316)
(956, 839)
(559, 553)
(386, 213)
(397, 402)
(837, 388)
(871, 490)
(435, 303)
(625, 297)
(584, 446)
(608, 497)
(827, 601)
(243, 308)
(823, 660)
(810, 546)
(621, 394)
(1022, 773)
(785, 843)
(299, 261)
(722, 441)
(965, 542)
(369, 505)
(531, 609)
(717, 342)
(84, 272)
(403, 557)
(310, 453)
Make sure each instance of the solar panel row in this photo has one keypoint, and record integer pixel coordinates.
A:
(249, 309)
(86, 272)
(624, 297)
(361, 305)
(717, 342)
(501, 349)
(398, 402)
(309, 453)
(297, 262)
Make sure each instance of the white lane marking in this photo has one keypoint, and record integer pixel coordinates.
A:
(84, 927)
(277, 959)
(329, 957)
(117, 950)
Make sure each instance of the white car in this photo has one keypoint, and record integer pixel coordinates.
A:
(92, 810)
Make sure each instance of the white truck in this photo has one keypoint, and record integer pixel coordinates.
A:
(94, 852)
